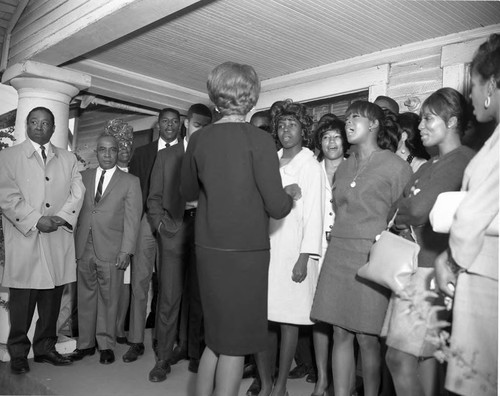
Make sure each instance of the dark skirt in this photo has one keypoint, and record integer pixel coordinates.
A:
(233, 289)
(343, 298)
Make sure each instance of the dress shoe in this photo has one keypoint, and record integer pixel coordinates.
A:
(312, 378)
(121, 340)
(79, 354)
(133, 352)
(19, 366)
(53, 357)
(160, 371)
(249, 370)
(300, 371)
(254, 388)
(179, 353)
(107, 356)
(193, 365)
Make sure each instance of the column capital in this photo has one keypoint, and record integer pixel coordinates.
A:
(44, 85)
(32, 69)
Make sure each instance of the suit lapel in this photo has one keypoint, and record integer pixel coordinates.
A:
(112, 183)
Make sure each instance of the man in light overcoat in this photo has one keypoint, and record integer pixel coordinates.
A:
(41, 194)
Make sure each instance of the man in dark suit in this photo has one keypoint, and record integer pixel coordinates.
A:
(106, 237)
(173, 220)
(143, 263)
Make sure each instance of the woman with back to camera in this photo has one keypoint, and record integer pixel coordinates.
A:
(232, 169)
(331, 143)
(410, 146)
(295, 244)
(410, 353)
(471, 261)
(365, 187)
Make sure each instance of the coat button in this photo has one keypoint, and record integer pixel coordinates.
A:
(47, 205)
(73, 211)
(94, 211)
(331, 213)
(331, 200)
(46, 178)
(17, 219)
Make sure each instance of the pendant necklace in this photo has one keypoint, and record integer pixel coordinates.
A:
(361, 169)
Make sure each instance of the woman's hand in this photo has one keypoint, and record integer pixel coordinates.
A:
(446, 278)
(294, 191)
(299, 272)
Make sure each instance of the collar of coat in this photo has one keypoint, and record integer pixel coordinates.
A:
(297, 162)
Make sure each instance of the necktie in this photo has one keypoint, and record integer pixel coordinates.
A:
(44, 156)
(98, 194)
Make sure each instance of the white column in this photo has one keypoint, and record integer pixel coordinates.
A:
(48, 86)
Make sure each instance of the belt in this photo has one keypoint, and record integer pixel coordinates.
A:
(190, 212)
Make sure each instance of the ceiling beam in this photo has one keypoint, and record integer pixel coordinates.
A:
(88, 27)
(136, 88)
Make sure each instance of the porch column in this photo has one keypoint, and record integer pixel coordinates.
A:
(44, 85)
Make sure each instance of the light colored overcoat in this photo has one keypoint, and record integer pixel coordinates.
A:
(29, 190)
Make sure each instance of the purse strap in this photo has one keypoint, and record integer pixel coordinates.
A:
(391, 224)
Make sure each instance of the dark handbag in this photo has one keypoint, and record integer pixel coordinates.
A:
(392, 261)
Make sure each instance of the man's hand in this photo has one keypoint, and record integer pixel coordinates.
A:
(46, 224)
(122, 261)
(61, 222)
(294, 191)
(445, 275)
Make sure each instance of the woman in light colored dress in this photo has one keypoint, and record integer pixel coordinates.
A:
(295, 243)
(471, 262)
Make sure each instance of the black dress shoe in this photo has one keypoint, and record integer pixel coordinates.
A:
(121, 340)
(160, 371)
(193, 365)
(179, 353)
(133, 352)
(254, 388)
(107, 356)
(300, 371)
(53, 357)
(312, 378)
(19, 366)
(249, 370)
(79, 354)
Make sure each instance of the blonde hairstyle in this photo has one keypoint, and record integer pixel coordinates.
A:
(233, 88)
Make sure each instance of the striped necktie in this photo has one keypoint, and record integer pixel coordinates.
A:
(98, 194)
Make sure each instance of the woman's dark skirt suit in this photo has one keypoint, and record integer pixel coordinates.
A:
(233, 171)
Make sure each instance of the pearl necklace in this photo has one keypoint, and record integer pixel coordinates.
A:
(361, 169)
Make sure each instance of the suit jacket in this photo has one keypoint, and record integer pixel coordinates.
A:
(141, 165)
(165, 202)
(474, 231)
(28, 191)
(114, 220)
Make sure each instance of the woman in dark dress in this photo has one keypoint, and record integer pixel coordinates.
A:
(365, 187)
(232, 169)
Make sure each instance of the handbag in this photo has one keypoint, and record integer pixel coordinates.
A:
(392, 261)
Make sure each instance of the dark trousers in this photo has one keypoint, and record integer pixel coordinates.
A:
(174, 256)
(22, 304)
(191, 323)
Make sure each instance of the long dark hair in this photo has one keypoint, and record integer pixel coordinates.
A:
(408, 122)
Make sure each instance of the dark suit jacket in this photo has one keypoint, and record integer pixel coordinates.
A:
(165, 202)
(114, 220)
(141, 165)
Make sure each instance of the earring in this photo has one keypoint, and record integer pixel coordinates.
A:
(403, 151)
(487, 102)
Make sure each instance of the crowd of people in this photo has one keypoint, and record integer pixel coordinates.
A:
(256, 231)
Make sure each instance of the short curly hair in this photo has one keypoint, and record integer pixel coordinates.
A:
(233, 88)
(296, 110)
(333, 125)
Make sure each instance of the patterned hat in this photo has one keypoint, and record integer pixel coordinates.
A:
(121, 131)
